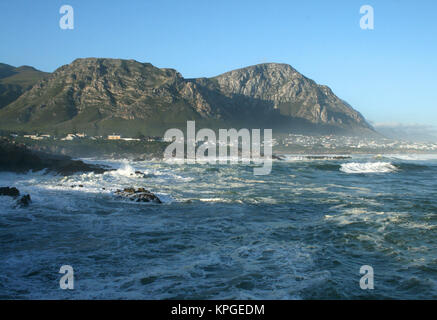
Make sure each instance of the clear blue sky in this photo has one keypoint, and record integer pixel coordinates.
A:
(388, 74)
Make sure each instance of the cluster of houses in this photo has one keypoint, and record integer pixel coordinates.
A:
(327, 141)
(35, 136)
(75, 136)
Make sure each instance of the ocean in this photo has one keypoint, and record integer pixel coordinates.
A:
(301, 232)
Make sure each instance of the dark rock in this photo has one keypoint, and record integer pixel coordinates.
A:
(277, 157)
(11, 192)
(138, 174)
(69, 167)
(138, 195)
(129, 190)
(24, 201)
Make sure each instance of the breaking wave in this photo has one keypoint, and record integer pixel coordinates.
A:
(297, 158)
(126, 170)
(368, 167)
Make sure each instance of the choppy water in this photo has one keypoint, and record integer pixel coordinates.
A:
(301, 232)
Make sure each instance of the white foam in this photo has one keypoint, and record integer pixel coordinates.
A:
(413, 157)
(368, 167)
(290, 158)
(126, 170)
(311, 157)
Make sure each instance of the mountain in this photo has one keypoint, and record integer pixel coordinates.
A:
(280, 87)
(15, 81)
(101, 96)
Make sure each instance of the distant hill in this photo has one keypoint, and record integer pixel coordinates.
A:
(15, 81)
(408, 132)
(101, 96)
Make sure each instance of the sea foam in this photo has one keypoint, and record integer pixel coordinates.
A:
(368, 167)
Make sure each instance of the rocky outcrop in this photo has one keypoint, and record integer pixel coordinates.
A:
(8, 191)
(278, 157)
(18, 158)
(138, 195)
(13, 192)
(24, 201)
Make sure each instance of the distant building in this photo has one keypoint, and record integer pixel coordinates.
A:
(169, 139)
(69, 137)
(114, 137)
(153, 139)
(32, 136)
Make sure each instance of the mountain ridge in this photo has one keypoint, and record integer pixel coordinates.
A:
(103, 95)
(14, 81)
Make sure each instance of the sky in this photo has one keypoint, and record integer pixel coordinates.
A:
(388, 73)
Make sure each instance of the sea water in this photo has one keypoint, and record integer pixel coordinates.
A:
(302, 232)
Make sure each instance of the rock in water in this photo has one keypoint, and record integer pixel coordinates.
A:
(24, 201)
(138, 195)
(277, 157)
(11, 192)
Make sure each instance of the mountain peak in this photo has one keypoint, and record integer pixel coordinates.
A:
(270, 67)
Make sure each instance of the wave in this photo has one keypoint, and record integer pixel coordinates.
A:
(126, 170)
(412, 157)
(326, 166)
(414, 167)
(295, 158)
(368, 167)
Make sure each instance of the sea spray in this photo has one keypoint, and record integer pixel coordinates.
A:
(368, 167)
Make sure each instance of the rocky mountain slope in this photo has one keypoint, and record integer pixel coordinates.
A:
(101, 96)
(15, 81)
(292, 93)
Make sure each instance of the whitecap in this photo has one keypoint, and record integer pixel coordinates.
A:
(368, 167)
(126, 170)
(413, 157)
